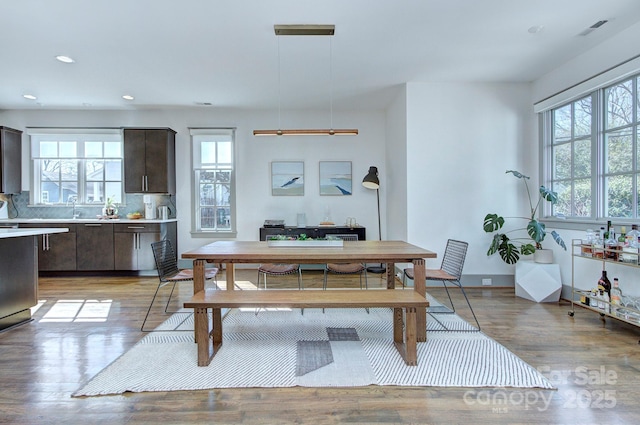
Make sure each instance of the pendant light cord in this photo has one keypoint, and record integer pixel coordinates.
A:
(279, 87)
(331, 83)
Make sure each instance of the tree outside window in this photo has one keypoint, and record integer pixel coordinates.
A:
(594, 151)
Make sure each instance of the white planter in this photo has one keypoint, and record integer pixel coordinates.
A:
(543, 256)
(538, 282)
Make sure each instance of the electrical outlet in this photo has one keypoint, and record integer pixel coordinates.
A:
(486, 282)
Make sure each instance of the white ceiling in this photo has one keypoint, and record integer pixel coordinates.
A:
(186, 52)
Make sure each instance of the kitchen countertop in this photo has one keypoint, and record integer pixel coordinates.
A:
(17, 233)
(84, 220)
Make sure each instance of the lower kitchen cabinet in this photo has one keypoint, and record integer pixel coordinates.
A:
(101, 246)
(94, 246)
(133, 245)
(56, 252)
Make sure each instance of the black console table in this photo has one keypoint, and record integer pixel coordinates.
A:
(313, 231)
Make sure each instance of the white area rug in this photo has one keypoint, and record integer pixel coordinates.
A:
(263, 350)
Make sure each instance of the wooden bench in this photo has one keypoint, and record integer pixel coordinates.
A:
(210, 340)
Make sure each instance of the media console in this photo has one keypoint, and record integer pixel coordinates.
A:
(313, 231)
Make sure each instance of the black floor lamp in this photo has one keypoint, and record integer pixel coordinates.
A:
(371, 181)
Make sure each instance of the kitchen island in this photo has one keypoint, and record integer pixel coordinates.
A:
(19, 273)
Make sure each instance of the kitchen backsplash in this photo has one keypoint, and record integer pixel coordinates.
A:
(19, 207)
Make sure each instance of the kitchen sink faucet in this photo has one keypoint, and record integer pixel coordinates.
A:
(73, 199)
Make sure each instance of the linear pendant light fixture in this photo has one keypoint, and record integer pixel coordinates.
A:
(322, 30)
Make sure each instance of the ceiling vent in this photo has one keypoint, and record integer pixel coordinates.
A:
(593, 28)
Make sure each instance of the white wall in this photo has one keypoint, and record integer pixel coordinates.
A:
(395, 177)
(461, 138)
(254, 155)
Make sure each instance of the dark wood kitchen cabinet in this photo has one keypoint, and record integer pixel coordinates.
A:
(132, 243)
(100, 247)
(94, 246)
(57, 251)
(149, 160)
(10, 160)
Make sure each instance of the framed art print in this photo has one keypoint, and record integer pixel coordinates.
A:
(335, 178)
(287, 178)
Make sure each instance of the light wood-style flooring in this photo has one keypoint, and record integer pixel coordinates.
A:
(84, 323)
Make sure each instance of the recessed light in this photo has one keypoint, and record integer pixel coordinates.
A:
(127, 97)
(29, 96)
(65, 59)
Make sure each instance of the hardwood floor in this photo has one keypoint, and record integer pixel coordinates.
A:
(85, 323)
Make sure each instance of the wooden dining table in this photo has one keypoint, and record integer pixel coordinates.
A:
(230, 253)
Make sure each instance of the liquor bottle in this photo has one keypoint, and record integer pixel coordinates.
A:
(622, 237)
(623, 234)
(587, 243)
(605, 283)
(611, 246)
(598, 244)
(616, 297)
(631, 245)
(632, 237)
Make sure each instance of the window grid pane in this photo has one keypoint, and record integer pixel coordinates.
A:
(571, 157)
(213, 172)
(618, 148)
(620, 165)
(618, 199)
(596, 173)
(70, 167)
(562, 124)
(619, 103)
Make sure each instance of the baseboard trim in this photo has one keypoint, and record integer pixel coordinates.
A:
(472, 280)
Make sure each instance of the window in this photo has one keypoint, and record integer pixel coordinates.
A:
(571, 159)
(214, 181)
(78, 166)
(592, 154)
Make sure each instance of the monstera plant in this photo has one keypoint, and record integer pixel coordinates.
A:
(513, 243)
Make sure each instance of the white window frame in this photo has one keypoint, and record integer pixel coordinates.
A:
(599, 211)
(199, 135)
(80, 135)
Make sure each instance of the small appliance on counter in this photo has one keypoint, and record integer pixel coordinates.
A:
(149, 207)
(274, 223)
(163, 212)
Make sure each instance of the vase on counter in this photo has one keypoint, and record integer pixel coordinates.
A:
(109, 211)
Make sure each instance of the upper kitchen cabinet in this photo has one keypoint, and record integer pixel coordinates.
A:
(149, 160)
(10, 160)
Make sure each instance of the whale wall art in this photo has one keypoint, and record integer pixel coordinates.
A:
(287, 178)
(335, 178)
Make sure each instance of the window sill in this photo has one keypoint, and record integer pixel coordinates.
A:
(581, 225)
